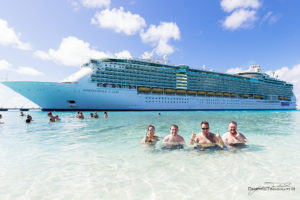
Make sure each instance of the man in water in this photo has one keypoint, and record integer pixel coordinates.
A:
(233, 138)
(174, 139)
(150, 138)
(96, 115)
(206, 139)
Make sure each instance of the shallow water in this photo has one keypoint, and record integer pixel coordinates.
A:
(103, 159)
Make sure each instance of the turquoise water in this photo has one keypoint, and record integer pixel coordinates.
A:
(103, 158)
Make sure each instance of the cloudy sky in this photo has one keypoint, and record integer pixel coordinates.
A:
(43, 40)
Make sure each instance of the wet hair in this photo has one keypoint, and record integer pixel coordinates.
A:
(150, 125)
(233, 122)
(175, 126)
(27, 120)
(205, 122)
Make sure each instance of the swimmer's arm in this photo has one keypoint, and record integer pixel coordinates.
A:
(242, 137)
(143, 141)
(219, 140)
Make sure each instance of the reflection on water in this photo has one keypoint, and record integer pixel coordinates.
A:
(103, 158)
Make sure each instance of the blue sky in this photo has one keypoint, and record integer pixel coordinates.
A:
(48, 40)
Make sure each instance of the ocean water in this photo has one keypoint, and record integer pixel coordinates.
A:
(103, 158)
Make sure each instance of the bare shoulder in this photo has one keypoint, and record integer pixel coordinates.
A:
(241, 135)
(181, 137)
(166, 139)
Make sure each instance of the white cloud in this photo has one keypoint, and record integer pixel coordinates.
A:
(8, 37)
(71, 52)
(159, 37)
(29, 71)
(75, 52)
(119, 21)
(4, 65)
(96, 3)
(270, 17)
(235, 70)
(230, 5)
(123, 54)
(240, 19)
(147, 55)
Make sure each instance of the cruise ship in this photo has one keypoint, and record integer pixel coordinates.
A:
(137, 84)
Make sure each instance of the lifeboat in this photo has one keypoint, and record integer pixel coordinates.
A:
(226, 94)
(210, 93)
(200, 93)
(280, 97)
(191, 92)
(219, 94)
(157, 90)
(256, 96)
(180, 92)
(169, 91)
(233, 94)
(141, 89)
(245, 95)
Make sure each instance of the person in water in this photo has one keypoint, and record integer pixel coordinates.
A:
(92, 115)
(174, 138)
(21, 114)
(206, 139)
(96, 115)
(150, 137)
(28, 119)
(80, 115)
(232, 137)
(52, 118)
(105, 114)
(57, 118)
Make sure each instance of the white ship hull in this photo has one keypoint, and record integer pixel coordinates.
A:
(72, 96)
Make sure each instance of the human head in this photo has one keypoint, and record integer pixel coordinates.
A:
(0, 116)
(205, 127)
(232, 127)
(150, 129)
(174, 129)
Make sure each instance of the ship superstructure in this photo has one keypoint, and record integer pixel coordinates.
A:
(135, 84)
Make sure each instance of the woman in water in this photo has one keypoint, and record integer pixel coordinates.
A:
(150, 137)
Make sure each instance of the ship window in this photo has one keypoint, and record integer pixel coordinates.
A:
(71, 101)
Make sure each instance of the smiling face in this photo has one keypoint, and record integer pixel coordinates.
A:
(232, 128)
(174, 130)
(151, 131)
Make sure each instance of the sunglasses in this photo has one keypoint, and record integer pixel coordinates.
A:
(205, 128)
